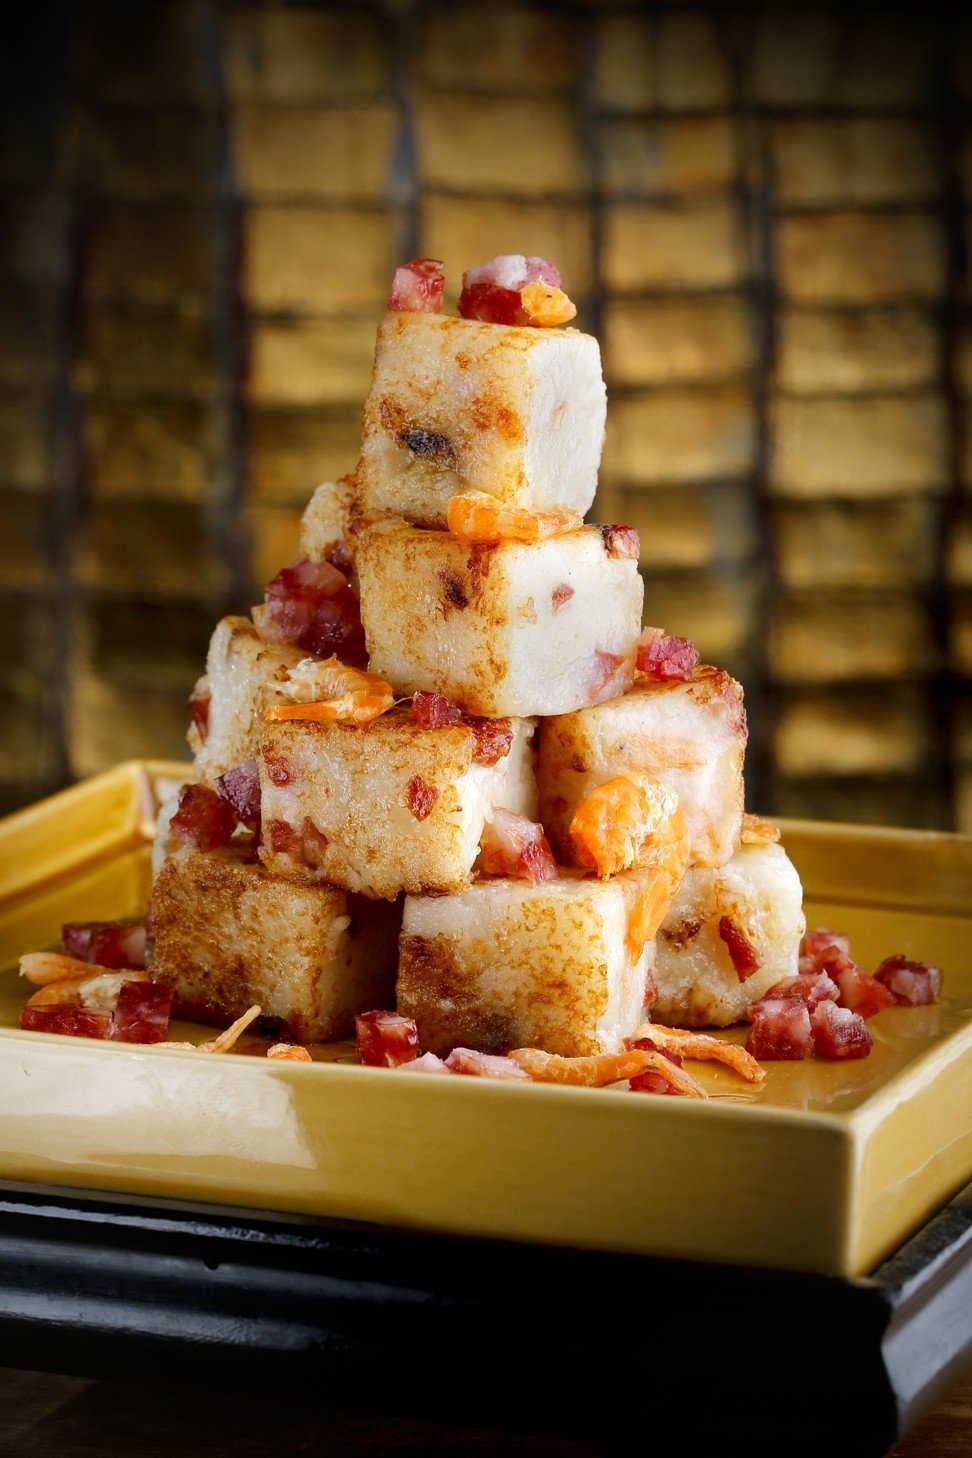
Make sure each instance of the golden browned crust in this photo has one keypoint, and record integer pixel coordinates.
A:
(429, 978)
(532, 974)
(710, 683)
(465, 581)
(227, 935)
(244, 675)
(455, 404)
(413, 431)
(326, 519)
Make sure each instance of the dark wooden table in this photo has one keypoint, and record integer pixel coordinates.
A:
(178, 1329)
(48, 1416)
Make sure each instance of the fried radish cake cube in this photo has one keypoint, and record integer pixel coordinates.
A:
(506, 964)
(732, 932)
(690, 734)
(243, 676)
(228, 934)
(325, 525)
(457, 405)
(388, 806)
(506, 628)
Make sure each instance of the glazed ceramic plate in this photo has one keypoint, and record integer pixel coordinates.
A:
(827, 1167)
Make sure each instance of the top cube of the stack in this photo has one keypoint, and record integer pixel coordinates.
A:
(459, 405)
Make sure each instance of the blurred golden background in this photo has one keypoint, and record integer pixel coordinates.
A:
(762, 212)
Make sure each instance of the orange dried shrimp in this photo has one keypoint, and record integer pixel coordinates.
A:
(757, 830)
(600, 1069)
(474, 516)
(545, 305)
(64, 981)
(66, 992)
(43, 968)
(650, 902)
(703, 1047)
(634, 820)
(329, 689)
(288, 1053)
(224, 1041)
(626, 821)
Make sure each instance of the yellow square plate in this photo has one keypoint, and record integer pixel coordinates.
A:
(827, 1167)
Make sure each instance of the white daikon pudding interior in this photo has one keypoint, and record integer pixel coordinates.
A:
(244, 675)
(760, 891)
(691, 735)
(352, 783)
(511, 628)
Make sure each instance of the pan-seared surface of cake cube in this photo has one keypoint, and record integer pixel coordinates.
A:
(326, 520)
(459, 405)
(510, 628)
(701, 963)
(391, 805)
(243, 674)
(691, 735)
(508, 965)
(227, 934)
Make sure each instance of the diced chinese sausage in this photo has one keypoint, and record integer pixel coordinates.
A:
(507, 964)
(458, 405)
(387, 806)
(689, 734)
(385, 1039)
(417, 286)
(812, 988)
(141, 1013)
(227, 935)
(758, 893)
(310, 603)
(856, 989)
(490, 626)
(427, 1063)
(819, 940)
(838, 1032)
(743, 952)
(107, 943)
(781, 1029)
(511, 289)
(512, 845)
(914, 984)
(483, 1065)
(75, 1022)
(664, 657)
(240, 788)
(203, 819)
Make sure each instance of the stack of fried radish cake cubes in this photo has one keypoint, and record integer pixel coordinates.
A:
(492, 804)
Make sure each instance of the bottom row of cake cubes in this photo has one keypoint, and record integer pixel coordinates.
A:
(498, 965)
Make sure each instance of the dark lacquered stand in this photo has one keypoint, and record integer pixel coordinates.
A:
(533, 1339)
